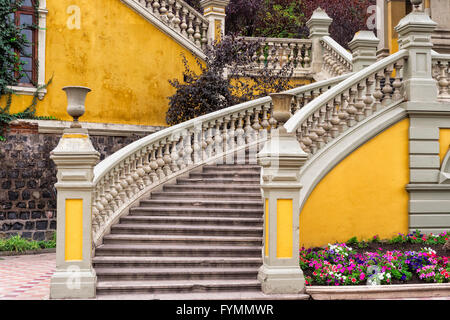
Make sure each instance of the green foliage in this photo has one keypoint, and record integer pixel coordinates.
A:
(11, 41)
(209, 91)
(19, 244)
(29, 113)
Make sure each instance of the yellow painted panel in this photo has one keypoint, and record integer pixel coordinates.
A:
(396, 10)
(284, 228)
(444, 142)
(122, 57)
(217, 30)
(74, 230)
(364, 195)
(266, 245)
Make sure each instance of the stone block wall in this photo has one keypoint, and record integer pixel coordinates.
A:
(28, 175)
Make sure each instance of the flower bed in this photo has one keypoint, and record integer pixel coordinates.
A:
(412, 258)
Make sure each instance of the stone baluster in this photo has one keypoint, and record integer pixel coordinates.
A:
(181, 150)
(184, 24)
(359, 105)
(146, 166)
(351, 110)
(176, 19)
(156, 7)
(160, 161)
(166, 157)
(163, 12)
(190, 30)
(387, 89)
(218, 146)
(334, 131)
(197, 32)
(154, 164)
(443, 80)
(368, 100)
(123, 182)
(307, 59)
(174, 153)
(197, 147)
(343, 114)
(378, 94)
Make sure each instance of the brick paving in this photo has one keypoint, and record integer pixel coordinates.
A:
(26, 277)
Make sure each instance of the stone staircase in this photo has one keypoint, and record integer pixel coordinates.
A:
(200, 237)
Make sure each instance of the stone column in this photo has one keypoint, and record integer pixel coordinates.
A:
(281, 159)
(75, 158)
(364, 47)
(415, 35)
(318, 25)
(214, 11)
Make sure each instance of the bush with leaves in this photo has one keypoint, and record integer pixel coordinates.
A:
(227, 77)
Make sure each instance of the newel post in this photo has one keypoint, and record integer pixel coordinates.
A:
(215, 12)
(364, 48)
(281, 159)
(318, 25)
(75, 158)
(415, 32)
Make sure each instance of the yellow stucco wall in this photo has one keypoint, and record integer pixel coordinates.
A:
(364, 195)
(444, 142)
(123, 58)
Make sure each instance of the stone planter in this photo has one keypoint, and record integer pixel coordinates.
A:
(387, 292)
(28, 252)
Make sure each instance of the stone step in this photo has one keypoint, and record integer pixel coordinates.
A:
(177, 250)
(204, 230)
(242, 188)
(120, 274)
(208, 181)
(218, 221)
(178, 262)
(193, 240)
(230, 296)
(197, 211)
(203, 203)
(176, 286)
(234, 168)
(229, 175)
(207, 195)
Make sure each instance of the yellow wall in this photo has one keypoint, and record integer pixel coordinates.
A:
(364, 195)
(444, 142)
(396, 10)
(123, 58)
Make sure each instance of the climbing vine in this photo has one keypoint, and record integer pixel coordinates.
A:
(13, 43)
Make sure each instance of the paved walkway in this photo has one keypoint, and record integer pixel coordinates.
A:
(26, 277)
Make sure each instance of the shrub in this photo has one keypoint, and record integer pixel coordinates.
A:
(227, 78)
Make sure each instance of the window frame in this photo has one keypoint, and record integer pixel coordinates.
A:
(34, 44)
(40, 48)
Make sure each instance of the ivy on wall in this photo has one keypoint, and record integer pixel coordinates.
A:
(13, 43)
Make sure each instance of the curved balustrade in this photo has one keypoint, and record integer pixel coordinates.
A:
(276, 52)
(181, 17)
(441, 73)
(133, 171)
(336, 60)
(351, 101)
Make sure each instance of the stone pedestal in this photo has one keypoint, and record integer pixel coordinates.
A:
(214, 11)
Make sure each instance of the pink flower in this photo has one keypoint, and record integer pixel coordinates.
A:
(362, 276)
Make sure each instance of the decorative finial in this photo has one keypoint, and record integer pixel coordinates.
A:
(416, 4)
(76, 97)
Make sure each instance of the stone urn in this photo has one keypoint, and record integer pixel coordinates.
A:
(281, 107)
(76, 97)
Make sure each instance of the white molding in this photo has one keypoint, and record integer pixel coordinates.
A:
(94, 129)
(138, 8)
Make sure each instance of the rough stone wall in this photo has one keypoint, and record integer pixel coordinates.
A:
(27, 178)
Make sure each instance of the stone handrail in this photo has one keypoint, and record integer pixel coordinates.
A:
(180, 17)
(349, 102)
(276, 52)
(336, 60)
(441, 73)
(127, 175)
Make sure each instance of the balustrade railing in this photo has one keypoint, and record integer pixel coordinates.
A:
(277, 52)
(354, 99)
(128, 174)
(336, 60)
(441, 73)
(181, 17)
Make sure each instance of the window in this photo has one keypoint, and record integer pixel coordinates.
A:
(27, 18)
